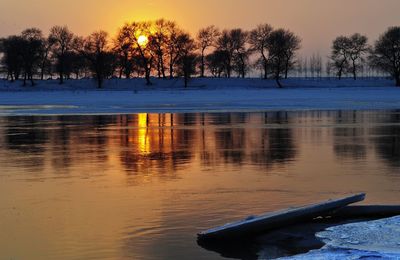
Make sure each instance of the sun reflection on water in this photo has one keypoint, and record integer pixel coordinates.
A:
(143, 137)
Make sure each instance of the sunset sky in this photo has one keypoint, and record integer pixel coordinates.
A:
(317, 22)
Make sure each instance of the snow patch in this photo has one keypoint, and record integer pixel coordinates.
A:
(379, 239)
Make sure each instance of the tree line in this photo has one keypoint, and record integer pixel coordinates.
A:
(162, 49)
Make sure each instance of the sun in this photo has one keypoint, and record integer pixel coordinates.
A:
(143, 40)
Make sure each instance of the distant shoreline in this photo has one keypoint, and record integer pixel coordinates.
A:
(196, 83)
(79, 97)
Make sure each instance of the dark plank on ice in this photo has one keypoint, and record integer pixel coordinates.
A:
(259, 224)
(366, 211)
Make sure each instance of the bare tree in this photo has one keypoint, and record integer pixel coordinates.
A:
(328, 69)
(226, 45)
(61, 39)
(318, 65)
(386, 53)
(292, 45)
(12, 60)
(216, 62)
(305, 67)
(340, 55)
(160, 41)
(241, 52)
(124, 49)
(187, 57)
(142, 50)
(96, 50)
(174, 46)
(259, 42)
(206, 38)
(233, 44)
(282, 45)
(45, 61)
(357, 49)
(30, 52)
(313, 62)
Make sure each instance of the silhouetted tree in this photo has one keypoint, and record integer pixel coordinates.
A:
(386, 53)
(174, 45)
(61, 38)
(96, 50)
(282, 45)
(187, 57)
(79, 64)
(31, 52)
(206, 38)
(226, 45)
(143, 51)
(215, 62)
(160, 38)
(340, 55)
(305, 67)
(328, 68)
(259, 42)
(124, 50)
(316, 65)
(45, 61)
(292, 45)
(233, 44)
(241, 52)
(12, 58)
(357, 49)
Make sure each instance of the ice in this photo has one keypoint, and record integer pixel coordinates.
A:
(379, 239)
(203, 95)
(380, 235)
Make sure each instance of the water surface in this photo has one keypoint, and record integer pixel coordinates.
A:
(141, 186)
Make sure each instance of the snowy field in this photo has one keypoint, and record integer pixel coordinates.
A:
(203, 95)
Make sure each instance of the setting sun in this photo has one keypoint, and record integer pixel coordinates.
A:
(143, 40)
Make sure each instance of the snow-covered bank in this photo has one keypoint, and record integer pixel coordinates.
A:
(204, 95)
(379, 239)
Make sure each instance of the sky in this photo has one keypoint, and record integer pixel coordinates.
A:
(317, 22)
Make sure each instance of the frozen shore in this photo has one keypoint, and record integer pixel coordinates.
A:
(203, 95)
(379, 239)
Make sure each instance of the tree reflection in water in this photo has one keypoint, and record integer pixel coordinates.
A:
(170, 174)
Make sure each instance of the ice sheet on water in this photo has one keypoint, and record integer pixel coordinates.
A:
(379, 239)
(379, 235)
(342, 254)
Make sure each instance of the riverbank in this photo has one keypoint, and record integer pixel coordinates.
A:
(204, 95)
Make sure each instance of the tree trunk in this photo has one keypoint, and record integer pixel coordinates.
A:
(286, 70)
(278, 82)
(265, 70)
(186, 80)
(171, 70)
(24, 79)
(147, 75)
(42, 72)
(202, 65)
(31, 79)
(397, 78)
(99, 82)
(61, 78)
(163, 69)
(159, 68)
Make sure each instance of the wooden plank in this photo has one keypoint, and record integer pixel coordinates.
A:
(366, 211)
(259, 224)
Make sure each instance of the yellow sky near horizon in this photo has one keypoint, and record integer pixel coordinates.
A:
(317, 22)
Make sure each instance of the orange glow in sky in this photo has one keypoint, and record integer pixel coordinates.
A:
(317, 22)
